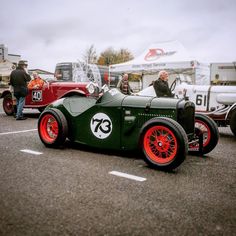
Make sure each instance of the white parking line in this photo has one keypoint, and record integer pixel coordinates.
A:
(31, 152)
(128, 176)
(17, 132)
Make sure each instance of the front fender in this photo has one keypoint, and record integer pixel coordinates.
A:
(73, 92)
(4, 93)
(233, 107)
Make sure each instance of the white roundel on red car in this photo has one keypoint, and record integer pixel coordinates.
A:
(101, 125)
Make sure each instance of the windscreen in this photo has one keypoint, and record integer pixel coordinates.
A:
(63, 71)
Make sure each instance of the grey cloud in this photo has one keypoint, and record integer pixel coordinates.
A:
(49, 31)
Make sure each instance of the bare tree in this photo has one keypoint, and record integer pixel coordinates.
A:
(90, 55)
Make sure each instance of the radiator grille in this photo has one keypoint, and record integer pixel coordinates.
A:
(186, 118)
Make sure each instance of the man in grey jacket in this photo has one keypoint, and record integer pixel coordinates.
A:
(19, 79)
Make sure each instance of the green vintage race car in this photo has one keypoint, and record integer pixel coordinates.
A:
(163, 129)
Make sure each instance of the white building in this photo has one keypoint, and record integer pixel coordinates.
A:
(8, 63)
(4, 56)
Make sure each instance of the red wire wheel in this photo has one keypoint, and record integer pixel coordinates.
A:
(164, 143)
(49, 128)
(52, 128)
(201, 125)
(8, 104)
(209, 131)
(160, 144)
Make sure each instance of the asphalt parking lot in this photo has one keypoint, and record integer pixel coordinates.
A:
(76, 190)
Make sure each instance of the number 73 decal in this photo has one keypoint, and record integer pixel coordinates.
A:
(101, 125)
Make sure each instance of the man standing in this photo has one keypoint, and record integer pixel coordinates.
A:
(18, 79)
(161, 85)
(124, 85)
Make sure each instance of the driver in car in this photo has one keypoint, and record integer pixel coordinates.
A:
(161, 85)
(36, 82)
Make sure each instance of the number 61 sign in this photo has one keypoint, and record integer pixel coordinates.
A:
(101, 125)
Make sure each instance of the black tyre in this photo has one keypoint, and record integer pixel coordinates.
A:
(232, 122)
(210, 132)
(52, 128)
(8, 105)
(164, 143)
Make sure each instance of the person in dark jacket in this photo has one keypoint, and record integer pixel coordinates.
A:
(161, 85)
(18, 80)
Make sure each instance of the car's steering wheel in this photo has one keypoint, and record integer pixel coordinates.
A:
(173, 85)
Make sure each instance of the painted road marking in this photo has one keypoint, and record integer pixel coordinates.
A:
(31, 152)
(128, 176)
(17, 132)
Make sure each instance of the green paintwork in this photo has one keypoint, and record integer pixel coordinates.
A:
(121, 120)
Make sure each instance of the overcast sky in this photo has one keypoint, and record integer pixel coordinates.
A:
(46, 32)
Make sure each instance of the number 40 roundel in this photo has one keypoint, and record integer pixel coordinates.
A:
(101, 125)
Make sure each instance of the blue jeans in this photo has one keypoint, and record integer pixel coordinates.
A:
(20, 102)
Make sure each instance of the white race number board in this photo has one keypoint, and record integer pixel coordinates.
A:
(101, 125)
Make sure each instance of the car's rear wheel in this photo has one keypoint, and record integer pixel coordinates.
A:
(52, 128)
(209, 130)
(232, 122)
(164, 143)
(8, 105)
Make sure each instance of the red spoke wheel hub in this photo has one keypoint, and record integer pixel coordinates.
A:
(160, 144)
(49, 128)
(201, 125)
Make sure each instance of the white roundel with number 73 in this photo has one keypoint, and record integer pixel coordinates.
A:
(101, 125)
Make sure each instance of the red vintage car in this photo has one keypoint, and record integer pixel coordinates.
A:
(51, 91)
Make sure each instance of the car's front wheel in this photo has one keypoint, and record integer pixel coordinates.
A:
(52, 128)
(164, 143)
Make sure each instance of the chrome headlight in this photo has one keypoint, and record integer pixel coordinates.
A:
(91, 88)
(105, 88)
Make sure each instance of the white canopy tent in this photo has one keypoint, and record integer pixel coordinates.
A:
(171, 56)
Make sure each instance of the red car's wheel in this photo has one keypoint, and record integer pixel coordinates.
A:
(8, 105)
(210, 133)
(52, 128)
(164, 143)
